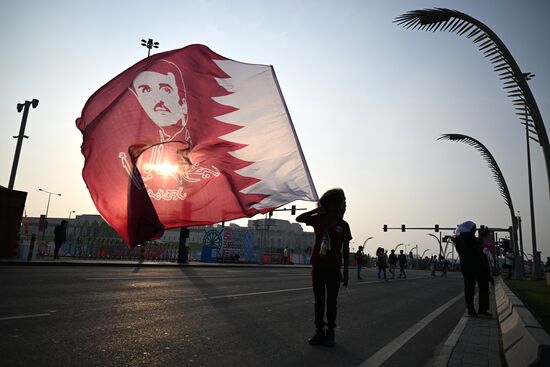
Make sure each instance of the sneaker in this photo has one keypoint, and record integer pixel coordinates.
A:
(329, 338)
(318, 338)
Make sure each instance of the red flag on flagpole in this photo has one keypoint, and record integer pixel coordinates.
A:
(189, 137)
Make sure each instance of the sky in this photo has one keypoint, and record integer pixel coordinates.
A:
(368, 100)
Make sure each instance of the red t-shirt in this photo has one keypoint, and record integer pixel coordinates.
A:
(340, 235)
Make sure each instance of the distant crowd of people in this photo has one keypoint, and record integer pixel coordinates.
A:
(392, 261)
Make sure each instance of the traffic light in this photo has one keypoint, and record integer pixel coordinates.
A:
(402, 228)
(293, 210)
(385, 227)
(506, 245)
(437, 227)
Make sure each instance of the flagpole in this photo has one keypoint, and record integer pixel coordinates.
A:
(314, 191)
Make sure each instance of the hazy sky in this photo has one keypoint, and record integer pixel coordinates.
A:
(367, 97)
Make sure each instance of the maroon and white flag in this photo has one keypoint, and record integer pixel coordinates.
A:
(188, 137)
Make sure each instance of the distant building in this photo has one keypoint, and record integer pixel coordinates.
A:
(269, 235)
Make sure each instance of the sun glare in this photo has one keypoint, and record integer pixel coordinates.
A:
(166, 168)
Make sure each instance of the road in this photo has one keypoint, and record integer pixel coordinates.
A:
(216, 316)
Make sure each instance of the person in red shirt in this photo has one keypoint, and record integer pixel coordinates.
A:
(330, 251)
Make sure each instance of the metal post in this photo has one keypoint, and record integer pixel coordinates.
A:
(518, 263)
(520, 236)
(47, 208)
(536, 259)
(20, 137)
(183, 249)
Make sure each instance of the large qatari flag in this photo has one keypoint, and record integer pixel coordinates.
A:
(188, 137)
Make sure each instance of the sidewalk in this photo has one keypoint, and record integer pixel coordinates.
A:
(474, 342)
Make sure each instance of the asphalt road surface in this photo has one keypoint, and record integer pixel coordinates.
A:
(216, 316)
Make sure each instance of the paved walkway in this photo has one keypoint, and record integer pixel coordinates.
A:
(474, 342)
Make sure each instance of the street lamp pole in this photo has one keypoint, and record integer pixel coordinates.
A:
(25, 108)
(47, 207)
(438, 242)
(69, 219)
(536, 259)
(365, 242)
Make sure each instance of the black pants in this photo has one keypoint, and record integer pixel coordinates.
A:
(402, 271)
(56, 249)
(381, 268)
(470, 281)
(326, 283)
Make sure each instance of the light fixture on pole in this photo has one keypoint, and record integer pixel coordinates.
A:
(149, 44)
(47, 207)
(438, 242)
(365, 242)
(25, 108)
(69, 221)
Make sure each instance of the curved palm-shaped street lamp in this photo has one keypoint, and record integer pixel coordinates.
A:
(415, 247)
(438, 242)
(515, 81)
(365, 243)
(499, 178)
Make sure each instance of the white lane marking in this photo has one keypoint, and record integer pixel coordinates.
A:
(257, 293)
(445, 352)
(24, 316)
(453, 338)
(382, 280)
(290, 290)
(387, 351)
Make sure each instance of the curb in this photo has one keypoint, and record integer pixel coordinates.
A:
(524, 341)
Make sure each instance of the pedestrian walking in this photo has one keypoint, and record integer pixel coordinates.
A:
(330, 251)
(285, 255)
(380, 262)
(60, 236)
(471, 265)
(445, 266)
(359, 260)
(402, 260)
(392, 259)
(490, 265)
(509, 263)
